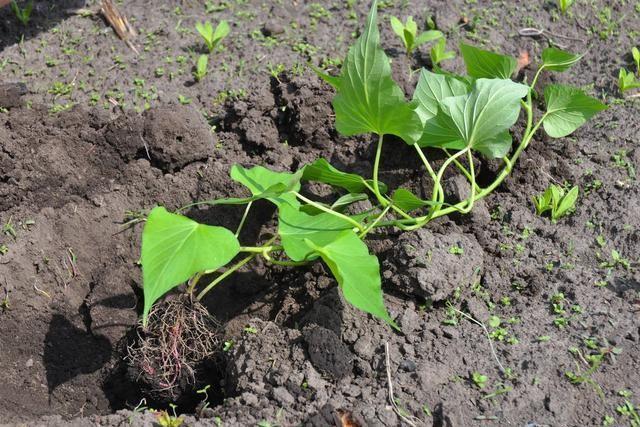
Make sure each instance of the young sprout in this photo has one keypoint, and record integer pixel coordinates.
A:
(201, 67)
(23, 14)
(564, 5)
(479, 380)
(440, 53)
(626, 79)
(557, 201)
(408, 33)
(213, 38)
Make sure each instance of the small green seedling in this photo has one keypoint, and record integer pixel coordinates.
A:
(479, 380)
(627, 81)
(213, 38)
(465, 117)
(408, 33)
(23, 14)
(201, 68)
(440, 53)
(564, 5)
(556, 201)
(167, 420)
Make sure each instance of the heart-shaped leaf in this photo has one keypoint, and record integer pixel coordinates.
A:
(174, 248)
(368, 100)
(484, 64)
(558, 60)
(479, 120)
(568, 108)
(432, 88)
(357, 272)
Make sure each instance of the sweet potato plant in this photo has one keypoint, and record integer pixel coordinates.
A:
(464, 116)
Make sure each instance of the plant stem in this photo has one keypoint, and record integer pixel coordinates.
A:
(244, 217)
(376, 166)
(224, 275)
(330, 211)
(254, 253)
(373, 224)
(462, 169)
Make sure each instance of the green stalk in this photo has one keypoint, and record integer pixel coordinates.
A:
(224, 275)
(376, 167)
(373, 224)
(254, 252)
(244, 217)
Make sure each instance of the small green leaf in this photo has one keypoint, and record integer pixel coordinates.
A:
(479, 120)
(368, 100)
(322, 171)
(407, 201)
(484, 64)
(567, 109)
(440, 53)
(627, 81)
(174, 248)
(357, 272)
(567, 203)
(428, 36)
(397, 26)
(328, 78)
(222, 30)
(347, 200)
(262, 182)
(558, 60)
(432, 88)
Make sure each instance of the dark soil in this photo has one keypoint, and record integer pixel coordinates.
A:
(295, 352)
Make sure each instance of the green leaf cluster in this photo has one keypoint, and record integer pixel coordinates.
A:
(557, 201)
(627, 79)
(22, 14)
(408, 33)
(211, 37)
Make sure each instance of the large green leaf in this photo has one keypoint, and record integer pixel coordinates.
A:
(322, 171)
(368, 100)
(295, 226)
(568, 108)
(558, 60)
(277, 187)
(432, 88)
(480, 119)
(357, 272)
(484, 64)
(174, 248)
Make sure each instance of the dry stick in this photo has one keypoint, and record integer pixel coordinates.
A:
(411, 420)
(486, 331)
(119, 23)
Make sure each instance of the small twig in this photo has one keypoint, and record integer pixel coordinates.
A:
(35, 286)
(411, 420)
(486, 331)
(119, 23)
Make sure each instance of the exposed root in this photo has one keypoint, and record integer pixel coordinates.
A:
(180, 336)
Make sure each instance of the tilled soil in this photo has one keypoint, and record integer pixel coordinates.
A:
(296, 353)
